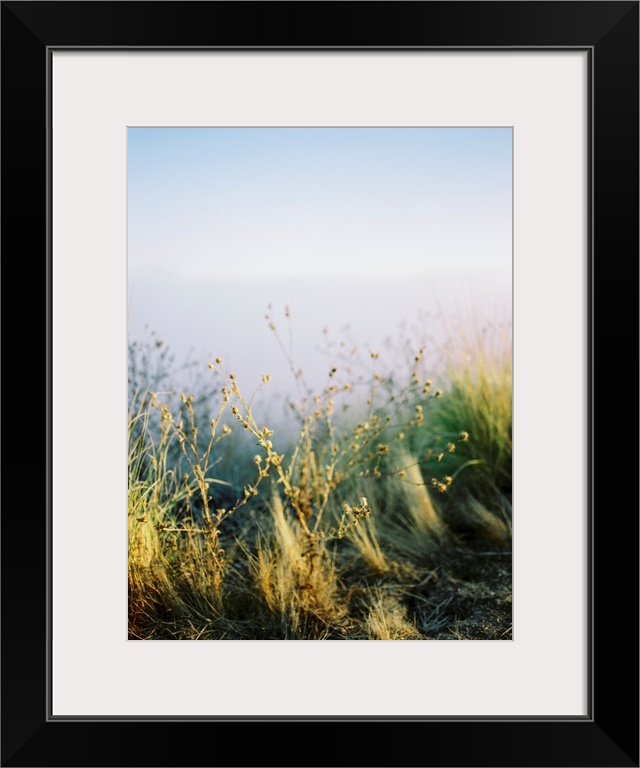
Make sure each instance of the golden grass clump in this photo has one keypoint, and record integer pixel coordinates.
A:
(176, 562)
(295, 577)
(387, 618)
(425, 519)
(366, 539)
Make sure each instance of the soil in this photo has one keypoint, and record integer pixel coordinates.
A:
(471, 595)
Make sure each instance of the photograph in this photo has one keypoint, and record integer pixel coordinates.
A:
(319, 383)
(329, 294)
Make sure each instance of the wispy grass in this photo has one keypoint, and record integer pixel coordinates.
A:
(387, 618)
(479, 369)
(347, 530)
(297, 585)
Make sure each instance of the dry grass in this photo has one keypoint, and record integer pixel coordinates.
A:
(294, 578)
(371, 524)
(366, 540)
(387, 619)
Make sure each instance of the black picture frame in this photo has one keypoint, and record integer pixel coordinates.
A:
(608, 736)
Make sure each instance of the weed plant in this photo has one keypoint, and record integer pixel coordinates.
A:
(335, 533)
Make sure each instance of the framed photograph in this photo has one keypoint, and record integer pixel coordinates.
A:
(201, 184)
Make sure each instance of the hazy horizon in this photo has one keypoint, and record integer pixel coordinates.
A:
(360, 228)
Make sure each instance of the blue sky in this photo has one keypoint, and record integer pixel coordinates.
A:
(364, 227)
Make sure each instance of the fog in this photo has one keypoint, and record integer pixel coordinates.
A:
(370, 237)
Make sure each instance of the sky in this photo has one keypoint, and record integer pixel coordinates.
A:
(355, 230)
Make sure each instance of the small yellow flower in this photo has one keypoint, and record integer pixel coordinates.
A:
(464, 436)
(218, 360)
